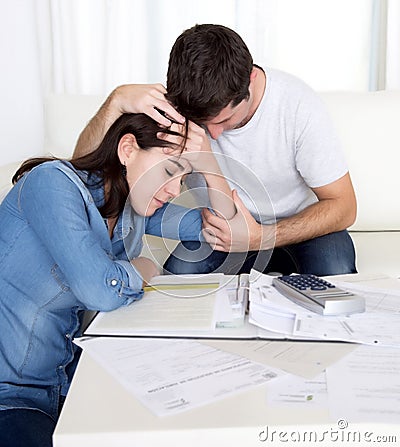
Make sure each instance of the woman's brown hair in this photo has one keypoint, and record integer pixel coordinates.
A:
(104, 161)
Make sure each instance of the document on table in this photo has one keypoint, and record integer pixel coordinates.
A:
(171, 376)
(382, 293)
(302, 359)
(368, 283)
(368, 382)
(172, 303)
(370, 329)
(298, 392)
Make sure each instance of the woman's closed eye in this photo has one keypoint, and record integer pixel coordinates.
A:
(169, 172)
(178, 167)
(174, 167)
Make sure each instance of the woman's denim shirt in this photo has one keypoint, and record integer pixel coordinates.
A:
(56, 260)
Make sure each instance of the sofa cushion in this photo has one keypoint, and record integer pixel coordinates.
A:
(368, 124)
(377, 252)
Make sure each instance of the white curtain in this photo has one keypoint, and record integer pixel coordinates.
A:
(98, 44)
(90, 46)
(393, 46)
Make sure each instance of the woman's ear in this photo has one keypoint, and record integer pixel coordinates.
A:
(253, 74)
(127, 147)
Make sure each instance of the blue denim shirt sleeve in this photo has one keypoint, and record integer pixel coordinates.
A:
(70, 227)
(176, 222)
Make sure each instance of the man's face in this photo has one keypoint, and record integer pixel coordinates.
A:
(229, 118)
(237, 116)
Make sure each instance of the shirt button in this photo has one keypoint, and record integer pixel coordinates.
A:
(114, 282)
(67, 335)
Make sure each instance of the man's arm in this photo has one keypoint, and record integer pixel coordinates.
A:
(132, 98)
(335, 211)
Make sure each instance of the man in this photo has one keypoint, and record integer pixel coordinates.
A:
(275, 127)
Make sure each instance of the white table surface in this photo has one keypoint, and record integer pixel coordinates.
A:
(99, 412)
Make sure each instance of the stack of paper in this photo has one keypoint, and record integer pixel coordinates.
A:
(176, 305)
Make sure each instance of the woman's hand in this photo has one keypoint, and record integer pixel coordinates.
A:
(197, 150)
(146, 267)
(240, 234)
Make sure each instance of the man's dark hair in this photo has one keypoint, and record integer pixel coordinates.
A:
(209, 68)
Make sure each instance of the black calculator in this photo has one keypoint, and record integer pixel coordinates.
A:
(319, 295)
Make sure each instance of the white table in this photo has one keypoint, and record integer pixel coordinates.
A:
(99, 412)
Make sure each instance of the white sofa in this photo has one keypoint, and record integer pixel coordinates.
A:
(369, 126)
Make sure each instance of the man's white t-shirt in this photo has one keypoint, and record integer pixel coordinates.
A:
(288, 147)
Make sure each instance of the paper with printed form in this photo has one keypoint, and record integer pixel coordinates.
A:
(301, 359)
(370, 329)
(367, 380)
(171, 376)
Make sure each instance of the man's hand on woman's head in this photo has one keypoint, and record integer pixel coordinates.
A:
(130, 98)
(146, 98)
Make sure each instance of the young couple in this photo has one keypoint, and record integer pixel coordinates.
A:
(70, 231)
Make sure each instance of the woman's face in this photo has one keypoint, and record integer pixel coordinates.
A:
(154, 177)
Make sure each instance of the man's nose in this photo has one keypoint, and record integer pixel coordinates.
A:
(215, 130)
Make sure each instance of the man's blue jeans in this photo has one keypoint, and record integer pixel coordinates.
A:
(332, 254)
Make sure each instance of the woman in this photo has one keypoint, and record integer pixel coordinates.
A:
(63, 228)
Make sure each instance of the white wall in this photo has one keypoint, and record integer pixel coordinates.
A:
(21, 112)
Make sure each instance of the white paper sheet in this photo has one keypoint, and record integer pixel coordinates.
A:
(370, 329)
(298, 393)
(302, 359)
(382, 293)
(368, 382)
(171, 376)
(367, 283)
